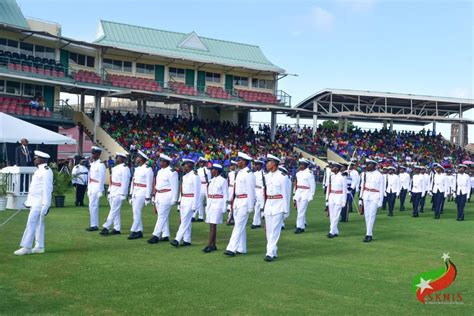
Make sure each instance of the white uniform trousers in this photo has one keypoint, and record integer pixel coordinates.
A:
(273, 225)
(238, 239)
(302, 206)
(34, 230)
(162, 227)
(199, 213)
(334, 214)
(138, 203)
(370, 211)
(114, 213)
(184, 230)
(257, 215)
(94, 209)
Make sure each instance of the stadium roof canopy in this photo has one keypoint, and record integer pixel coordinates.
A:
(369, 106)
(183, 46)
(11, 14)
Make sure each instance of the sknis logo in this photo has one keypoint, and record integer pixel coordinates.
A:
(426, 284)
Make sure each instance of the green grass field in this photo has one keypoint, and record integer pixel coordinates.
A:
(84, 273)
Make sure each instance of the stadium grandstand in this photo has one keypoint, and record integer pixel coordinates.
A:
(206, 88)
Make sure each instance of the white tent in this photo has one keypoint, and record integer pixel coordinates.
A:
(13, 129)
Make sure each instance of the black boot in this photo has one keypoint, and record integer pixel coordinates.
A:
(153, 240)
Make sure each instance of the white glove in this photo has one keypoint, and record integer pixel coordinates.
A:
(173, 202)
(379, 204)
(285, 215)
(430, 193)
(147, 201)
(360, 202)
(44, 211)
(99, 194)
(130, 201)
(327, 204)
(122, 197)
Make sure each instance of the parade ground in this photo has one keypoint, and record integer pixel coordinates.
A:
(85, 273)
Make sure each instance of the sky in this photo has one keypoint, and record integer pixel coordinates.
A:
(420, 47)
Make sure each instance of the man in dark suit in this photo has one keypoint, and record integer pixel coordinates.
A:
(24, 158)
(23, 154)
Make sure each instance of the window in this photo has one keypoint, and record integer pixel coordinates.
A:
(213, 77)
(262, 84)
(117, 65)
(82, 60)
(26, 48)
(176, 73)
(31, 90)
(13, 87)
(3, 43)
(44, 52)
(12, 45)
(2, 85)
(241, 81)
(145, 69)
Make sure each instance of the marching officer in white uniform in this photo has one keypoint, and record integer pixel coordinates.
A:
(217, 196)
(277, 205)
(188, 203)
(326, 177)
(38, 201)
(462, 190)
(95, 188)
(427, 182)
(439, 187)
(305, 186)
(166, 195)
(336, 197)
(418, 190)
(140, 193)
(404, 186)
(371, 195)
(205, 176)
(231, 181)
(242, 204)
(392, 190)
(118, 192)
(79, 181)
(259, 194)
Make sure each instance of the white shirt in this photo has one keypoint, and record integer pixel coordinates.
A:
(305, 185)
(205, 177)
(404, 180)
(393, 184)
(463, 184)
(259, 190)
(80, 175)
(418, 184)
(427, 179)
(41, 188)
(231, 180)
(190, 190)
(217, 194)
(372, 186)
(337, 189)
(120, 180)
(355, 179)
(167, 186)
(96, 177)
(439, 183)
(278, 194)
(245, 188)
(142, 182)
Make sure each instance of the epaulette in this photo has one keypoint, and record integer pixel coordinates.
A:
(46, 167)
(249, 171)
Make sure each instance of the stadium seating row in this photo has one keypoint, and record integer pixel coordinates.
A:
(217, 92)
(134, 83)
(254, 96)
(181, 88)
(20, 106)
(36, 70)
(87, 76)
